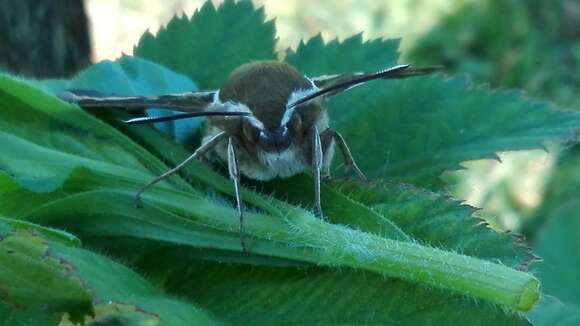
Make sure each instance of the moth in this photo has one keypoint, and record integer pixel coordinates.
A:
(267, 121)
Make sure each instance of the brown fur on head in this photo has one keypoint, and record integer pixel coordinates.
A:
(264, 87)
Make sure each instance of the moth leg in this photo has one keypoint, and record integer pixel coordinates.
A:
(326, 141)
(203, 149)
(235, 176)
(317, 161)
(347, 156)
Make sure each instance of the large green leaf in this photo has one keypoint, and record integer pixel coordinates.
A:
(274, 296)
(380, 208)
(91, 192)
(551, 311)
(561, 190)
(555, 228)
(501, 42)
(412, 130)
(557, 243)
(431, 218)
(212, 43)
(30, 279)
(415, 129)
(132, 76)
(42, 275)
(27, 316)
(315, 57)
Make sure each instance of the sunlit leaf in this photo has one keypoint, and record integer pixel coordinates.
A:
(316, 57)
(210, 44)
(414, 129)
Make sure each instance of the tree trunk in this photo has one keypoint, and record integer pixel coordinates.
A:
(43, 38)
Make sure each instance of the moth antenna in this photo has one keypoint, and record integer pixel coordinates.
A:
(145, 120)
(400, 71)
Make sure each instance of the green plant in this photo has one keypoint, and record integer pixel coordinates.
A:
(529, 44)
(504, 42)
(394, 251)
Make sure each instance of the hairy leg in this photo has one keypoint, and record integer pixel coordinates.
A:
(234, 173)
(346, 155)
(198, 153)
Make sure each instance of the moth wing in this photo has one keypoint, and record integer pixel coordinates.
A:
(192, 104)
(327, 81)
(183, 102)
(335, 84)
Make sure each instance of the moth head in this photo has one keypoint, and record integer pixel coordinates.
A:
(264, 89)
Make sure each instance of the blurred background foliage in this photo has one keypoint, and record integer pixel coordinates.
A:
(528, 44)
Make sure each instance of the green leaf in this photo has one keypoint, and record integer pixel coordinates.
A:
(561, 189)
(557, 244)
(380, 208)
(207, 47)
(27, 316)
(264, 295)
(315, 57)
(42, 157)
(8, 225)
(89, 182)
(431, 218)
(311, 241)
(112, 282)
(414, 129)
(30, 277)
(131, 76)
(555, 227)
(551, 311)
(502, 42)
(39, 271)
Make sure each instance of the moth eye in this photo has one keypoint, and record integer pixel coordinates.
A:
(250, 132)
(295, 123)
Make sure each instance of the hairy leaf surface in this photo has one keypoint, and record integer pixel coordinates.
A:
(414, 129)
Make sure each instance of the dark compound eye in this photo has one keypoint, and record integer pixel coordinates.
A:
(250, 132)
(295, 123)
(274, 141)
(266, 141)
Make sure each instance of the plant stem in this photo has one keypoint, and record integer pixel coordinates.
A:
(340, 246)
(302, 237)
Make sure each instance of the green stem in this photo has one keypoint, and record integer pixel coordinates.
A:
(303, 237)
(425, 265)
